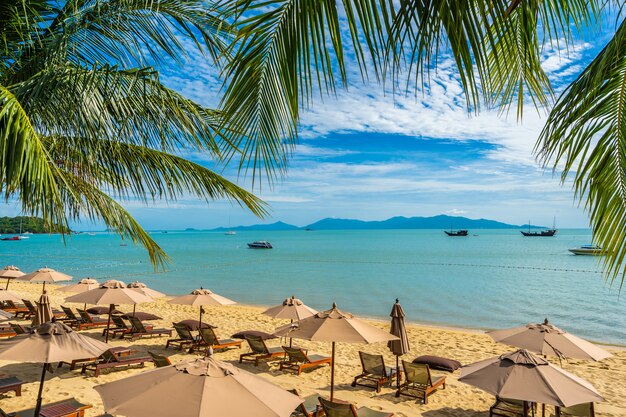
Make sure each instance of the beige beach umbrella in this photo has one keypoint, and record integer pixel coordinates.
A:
(202, 297)
(520, 375)
(45, 275)
(44, 311)
(50, 342)
(10, 272)
(292, 309)
(143, 288)
(111, 292)
(84, 285)
(202, 387)
(335, 326)
(546, 339)
(6, 295)
(400, 346)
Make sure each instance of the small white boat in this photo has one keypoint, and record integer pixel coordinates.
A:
(587, 250)
(230, 233)
(260, 244)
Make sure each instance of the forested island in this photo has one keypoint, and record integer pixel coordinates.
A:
(24, 224)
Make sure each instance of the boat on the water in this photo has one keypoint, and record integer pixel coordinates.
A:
(230, 233)
(260, 244)
(456, 232)
(13, 238)
(541, 233)
(587, 250)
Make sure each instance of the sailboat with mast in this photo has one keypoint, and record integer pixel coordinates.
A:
(541, 233)
(230, 232)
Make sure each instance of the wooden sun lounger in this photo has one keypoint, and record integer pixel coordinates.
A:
(159, 360)
(185, 337)
(19, 311)
(32, 308)
(345, 409)
(374, 371)
(89, 322)
(260, 351)
(298, 360)
(504, 407)
(121, 328)
(70, 318)
(65, 408)
(310, 407)
(110, 360)
(7, 332)
(208, 338)
(418, 378)
(18, 328)
(11, 384)
(117, 351)
(139, 330)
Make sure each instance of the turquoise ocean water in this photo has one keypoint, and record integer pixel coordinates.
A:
(494, 280)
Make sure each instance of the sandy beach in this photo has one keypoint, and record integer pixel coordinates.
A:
(457, 399)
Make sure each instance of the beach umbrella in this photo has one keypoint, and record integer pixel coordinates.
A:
(6, 295)
(546, 339)
(45, 275)
(98, 310)
(292, 309)
(255, 333)
(201, 387)
(335, 326)
(84, 285)
(10, 272)
(520, 375)
(401, 346)
(201, 297)
(44, 311)
(50, 342)
(195, 324)
(143, 288)
(111, 292)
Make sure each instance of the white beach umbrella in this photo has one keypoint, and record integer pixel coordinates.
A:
(10, 272)
(45, 275)
(202, 297)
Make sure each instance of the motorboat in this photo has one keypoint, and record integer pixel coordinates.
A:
(587, 250)
(260, 244)
(456, 232)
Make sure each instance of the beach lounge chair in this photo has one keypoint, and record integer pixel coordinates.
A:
(65, 408)
(310, 407)
(11, 384)
(120, 328)
(139, 330)
(579, 410)
(32, 310)
(110, 360)
(343, 409)
(505, 407)
(7, 332)
(298, 360)
(89, 322)
(19, 311)
(259, 351)
(374, 371)
(418, 378)
(159, 360)
(18, 328)
(70, 318)
(209, 338)
(185, 337)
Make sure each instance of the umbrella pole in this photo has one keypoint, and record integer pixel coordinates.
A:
(291, 338)
(7, 287)
(398, 370)
(332, 374)
(134, 306)
(43, 289)
(39, 399)
(111, 307)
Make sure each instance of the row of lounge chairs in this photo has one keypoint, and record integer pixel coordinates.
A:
(66, 408)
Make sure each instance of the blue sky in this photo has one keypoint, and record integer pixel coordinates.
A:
(370, 154)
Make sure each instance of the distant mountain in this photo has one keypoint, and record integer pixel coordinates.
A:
(24, 224)
(273, 226)
(435, 222)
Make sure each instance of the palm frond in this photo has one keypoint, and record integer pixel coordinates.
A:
(585, 138)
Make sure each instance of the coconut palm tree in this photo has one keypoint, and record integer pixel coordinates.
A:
(85, 121)
(285, 51)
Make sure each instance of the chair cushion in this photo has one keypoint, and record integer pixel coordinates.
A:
(437, 362)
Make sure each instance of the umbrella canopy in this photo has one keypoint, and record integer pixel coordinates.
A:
(111, 292)
(45, 275)
(50, 342)
(522, 376)
(44, 311)
(546, 339)
(195, 324)
(256, 333)
(202, 297)
(401, 346)
(84, 285)
(143, 288)
(335, 326)
(6, 295)
(10, 272)
(290, 309)
(201, 387)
